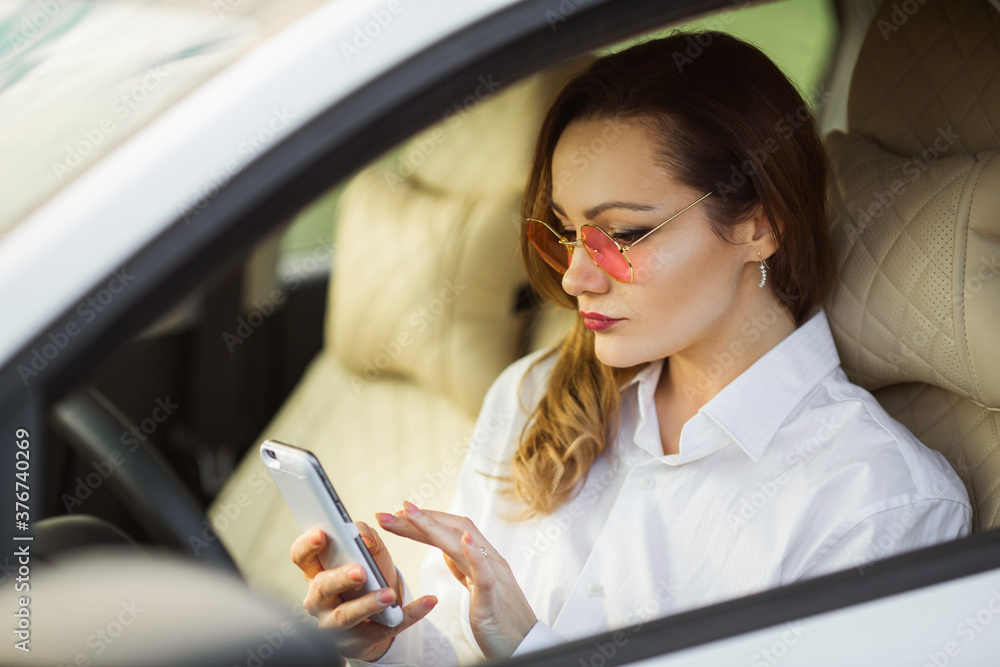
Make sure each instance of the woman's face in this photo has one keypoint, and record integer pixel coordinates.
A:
(687, 280)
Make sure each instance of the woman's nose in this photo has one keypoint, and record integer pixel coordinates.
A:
(583, 275)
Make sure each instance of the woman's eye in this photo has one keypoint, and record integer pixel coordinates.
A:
(626, 237)
(569, 234)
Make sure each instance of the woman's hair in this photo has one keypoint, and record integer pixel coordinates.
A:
(726, 120)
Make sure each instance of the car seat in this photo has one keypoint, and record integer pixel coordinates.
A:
(423, 314)
(916, 224)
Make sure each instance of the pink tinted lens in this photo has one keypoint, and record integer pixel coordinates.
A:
(606, 254)
(547, 245)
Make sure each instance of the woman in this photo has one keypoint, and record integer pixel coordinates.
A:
(693, 438)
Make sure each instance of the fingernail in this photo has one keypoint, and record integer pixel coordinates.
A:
(316, 538)
(369, 542)
(467, 537)
(411, 508)
(430, 601)
(384, 518)
(357, 574)
(386, 596)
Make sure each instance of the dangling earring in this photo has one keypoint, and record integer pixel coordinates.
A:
(763, 270)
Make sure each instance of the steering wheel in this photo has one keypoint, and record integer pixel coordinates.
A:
(144, 481)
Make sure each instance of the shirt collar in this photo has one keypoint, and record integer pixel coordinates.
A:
(751, 408)
(647, 431)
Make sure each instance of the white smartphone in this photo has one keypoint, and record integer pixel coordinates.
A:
(315, 504)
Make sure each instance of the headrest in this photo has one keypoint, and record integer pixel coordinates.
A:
(916, 203)
(425, 286)
(926, 78)
(918, 298)
(427, 267)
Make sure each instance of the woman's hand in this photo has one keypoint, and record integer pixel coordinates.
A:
(498, 611)
(361, 637)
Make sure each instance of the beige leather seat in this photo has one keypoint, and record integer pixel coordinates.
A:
(421, 319)
(916, 311)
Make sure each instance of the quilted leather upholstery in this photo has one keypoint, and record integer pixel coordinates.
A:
(916, 223)
(927, 65)
(427, 293)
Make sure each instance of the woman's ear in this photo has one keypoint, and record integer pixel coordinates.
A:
(759, 235)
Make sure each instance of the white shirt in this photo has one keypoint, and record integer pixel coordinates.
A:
(791, 471)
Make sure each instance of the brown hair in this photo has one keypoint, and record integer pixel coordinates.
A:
(727, 121)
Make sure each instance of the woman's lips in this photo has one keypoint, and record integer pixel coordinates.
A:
(598, 322)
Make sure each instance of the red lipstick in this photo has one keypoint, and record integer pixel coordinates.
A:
(598, 322)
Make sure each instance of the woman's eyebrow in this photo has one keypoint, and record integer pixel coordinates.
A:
(594, 211)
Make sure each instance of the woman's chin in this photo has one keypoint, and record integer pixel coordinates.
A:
(617, 354)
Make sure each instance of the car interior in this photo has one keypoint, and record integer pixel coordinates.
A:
(368, 328)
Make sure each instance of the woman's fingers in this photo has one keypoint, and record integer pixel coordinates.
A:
(455, 569)
(306, 552)
(337, 598)
(415, 611)
(370, 634)
(380, 554)
(438, 529)
(398, 524)
(482, 573)
(350, 613)
(326, 588)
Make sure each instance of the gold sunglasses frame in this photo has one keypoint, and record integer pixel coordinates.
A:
(622, 249)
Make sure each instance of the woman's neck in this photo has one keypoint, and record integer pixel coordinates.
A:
(691, 377)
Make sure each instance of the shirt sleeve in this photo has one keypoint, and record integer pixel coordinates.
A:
(407, 645)
(539, 637)
(890, 532)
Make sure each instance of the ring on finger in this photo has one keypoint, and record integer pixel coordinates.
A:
(483, 550)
